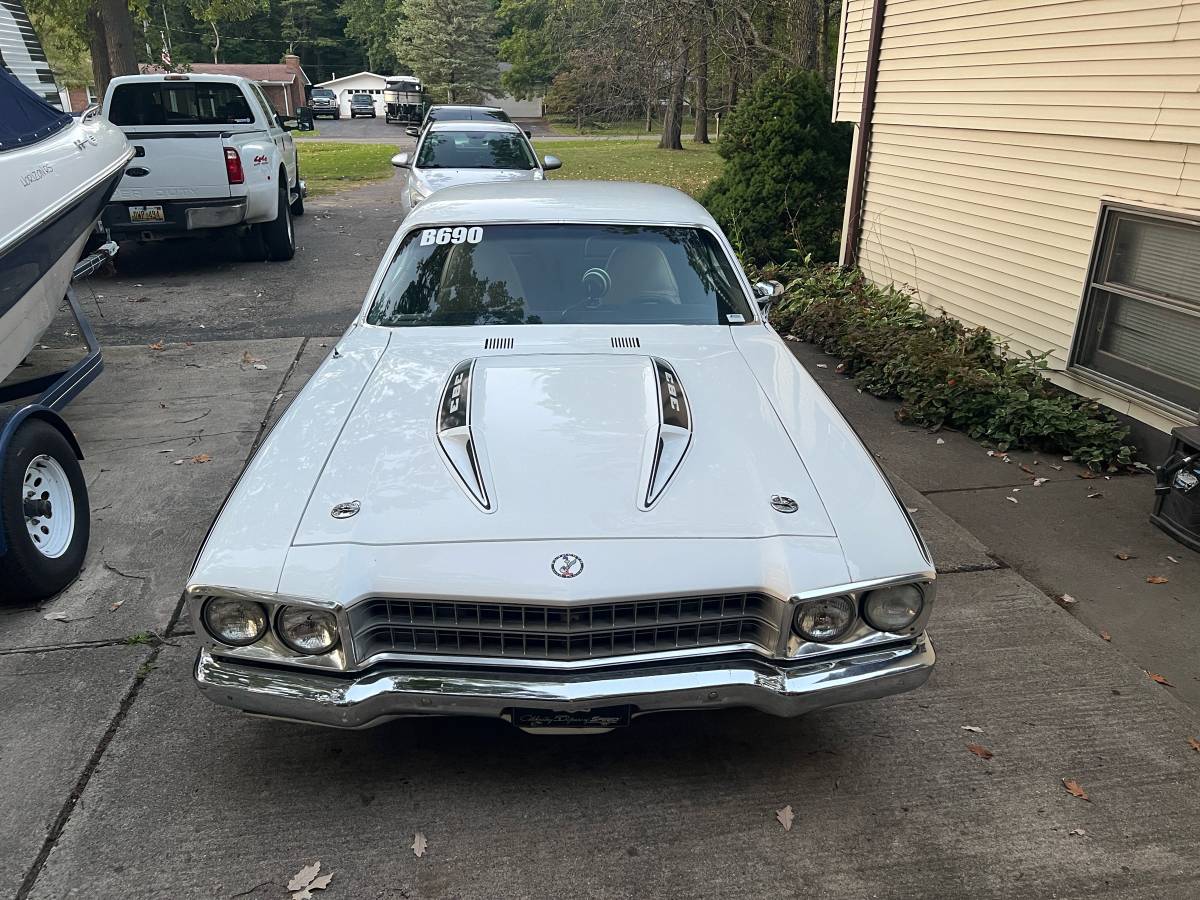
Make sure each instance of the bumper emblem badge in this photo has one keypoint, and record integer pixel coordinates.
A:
(346, 510)
(566, 565)
(784, 504)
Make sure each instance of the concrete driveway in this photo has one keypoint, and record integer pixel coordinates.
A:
(119, 780)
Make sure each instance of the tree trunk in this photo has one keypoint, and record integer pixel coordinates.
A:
(673, 120)
(216, 44)
(808, 48)
(118, 37)
(826, 68)
(700, 135)
(98, 47)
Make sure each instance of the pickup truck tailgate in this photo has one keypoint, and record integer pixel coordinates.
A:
(175, 166)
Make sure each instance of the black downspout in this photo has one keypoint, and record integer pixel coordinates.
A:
(862, 143)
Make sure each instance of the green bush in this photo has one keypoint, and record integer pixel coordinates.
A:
(784, 181)
(942, 372)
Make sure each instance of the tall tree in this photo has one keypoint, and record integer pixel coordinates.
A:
(372, 24)
(673, 120)
(451, 46)
(530, 44)
(118, 41)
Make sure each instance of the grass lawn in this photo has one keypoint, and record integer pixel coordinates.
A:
(328, 166)
(565, 125)
(690, 169)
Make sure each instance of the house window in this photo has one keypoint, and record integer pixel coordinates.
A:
(1139, 326)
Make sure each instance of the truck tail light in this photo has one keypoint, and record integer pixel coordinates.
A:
(233, 166)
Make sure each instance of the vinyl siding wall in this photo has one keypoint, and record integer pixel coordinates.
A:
(1000, 126)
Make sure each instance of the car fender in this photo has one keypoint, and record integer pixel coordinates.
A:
(260, 162)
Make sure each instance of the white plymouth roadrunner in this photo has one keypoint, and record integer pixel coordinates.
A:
(559, 471)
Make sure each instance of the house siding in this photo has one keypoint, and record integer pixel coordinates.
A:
(1000, 126)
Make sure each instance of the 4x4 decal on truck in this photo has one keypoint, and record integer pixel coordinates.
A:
(261, 159)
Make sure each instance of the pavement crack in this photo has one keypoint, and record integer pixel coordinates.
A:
(248, 891)
(81, 783)
(106, 564)
(972, 567)
(287, 376)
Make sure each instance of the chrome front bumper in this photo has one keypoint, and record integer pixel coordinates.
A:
(374, 697)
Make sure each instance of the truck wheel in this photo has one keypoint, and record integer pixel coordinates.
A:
(44, 513)
(279, 234)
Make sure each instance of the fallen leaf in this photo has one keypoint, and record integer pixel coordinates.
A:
(419, 844)
(1158, 679)
(1173, 559)
(1077, 832)
(202, 458)
(1012, 499)
(1087, 474)
(974, 728)
(1194, 744)
(1065, 600)
(260, 366)
(115, 605)
(157, 345)
(1105, 636)
(304, 877)
(57, 617)
(1157, 579)
(822, 366)
(991, 453)
(249, 360)
(1038, 482)
(1026, 469)
(1096, 496)
(980, 751)
(1121, 555)
(1055, 468)
(785, 817)
(1075, 790)
(911, 509)
(179, 462)
(940, 441)
(317, 884)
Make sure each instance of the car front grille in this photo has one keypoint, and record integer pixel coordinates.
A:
(595, 631)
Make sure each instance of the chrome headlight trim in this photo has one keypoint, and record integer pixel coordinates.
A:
(848, 607)
(879, 593)
(277, 626)
(249, 604)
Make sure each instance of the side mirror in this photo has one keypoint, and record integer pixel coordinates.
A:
(528, 133)
(287, 124)
(549, 163)
(400, 160)
(412, 131)
(766, 293)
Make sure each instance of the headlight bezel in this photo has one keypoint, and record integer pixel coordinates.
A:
(226, 598)
(278, 630)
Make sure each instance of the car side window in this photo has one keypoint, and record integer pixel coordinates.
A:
(264, 103)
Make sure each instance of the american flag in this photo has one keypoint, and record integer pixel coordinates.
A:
(166, 54)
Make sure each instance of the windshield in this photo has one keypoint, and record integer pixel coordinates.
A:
(475, 150)
(164, 103)
(323, 93)
(550, 274)
(467, 114)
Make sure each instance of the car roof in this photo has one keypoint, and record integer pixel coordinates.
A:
(580, 202)
(441, 106)
(473, 125)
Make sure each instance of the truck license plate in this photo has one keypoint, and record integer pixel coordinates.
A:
(146, 214)
(552, 720)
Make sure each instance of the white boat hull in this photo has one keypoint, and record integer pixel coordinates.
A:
(54, 190)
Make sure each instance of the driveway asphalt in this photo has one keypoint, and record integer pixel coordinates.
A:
(121, 781)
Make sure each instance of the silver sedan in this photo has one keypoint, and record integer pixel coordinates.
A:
(452, 153)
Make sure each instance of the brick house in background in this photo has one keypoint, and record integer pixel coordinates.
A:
(285, 83)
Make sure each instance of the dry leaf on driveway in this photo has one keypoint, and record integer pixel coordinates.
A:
(1105, 636)
(785, 817)
(974, 728)
(317, 884)
(202, 458)
(249, 360)
(304, 877)
(1157, 579)
(1065, 601)
(1158, 679)
(1075, 790)
(419, 844)
(157, 345)
(980, 751)
(1194, 744)
(1123, 556)
(1077, 832)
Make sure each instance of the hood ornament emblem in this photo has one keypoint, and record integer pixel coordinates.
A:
(784, 504)
(566, 565)
(346, 510)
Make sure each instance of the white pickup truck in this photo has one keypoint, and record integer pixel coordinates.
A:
(210, 154)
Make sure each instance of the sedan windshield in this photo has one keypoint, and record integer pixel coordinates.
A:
(550, 274)
(475, 150)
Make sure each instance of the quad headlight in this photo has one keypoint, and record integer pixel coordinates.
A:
(305, 630)
(893, 609)
(825, 620)
(234, 621)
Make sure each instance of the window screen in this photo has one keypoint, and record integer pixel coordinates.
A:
(1140, 323)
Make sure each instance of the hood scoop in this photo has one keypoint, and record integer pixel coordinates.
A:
(674, 431)
(457, 441)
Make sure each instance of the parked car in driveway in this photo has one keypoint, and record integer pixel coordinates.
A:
(559, 471)
(451, 113)
(210, 155)
(362, 105)
(324, 102)
(455, 152)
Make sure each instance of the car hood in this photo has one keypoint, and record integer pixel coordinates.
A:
(449, 442)
(436, 179)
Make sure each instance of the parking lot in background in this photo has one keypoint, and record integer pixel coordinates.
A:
(121, 781)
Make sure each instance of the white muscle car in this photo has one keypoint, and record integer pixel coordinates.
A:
(560, 471)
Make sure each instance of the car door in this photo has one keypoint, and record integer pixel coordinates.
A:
(281, 137)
